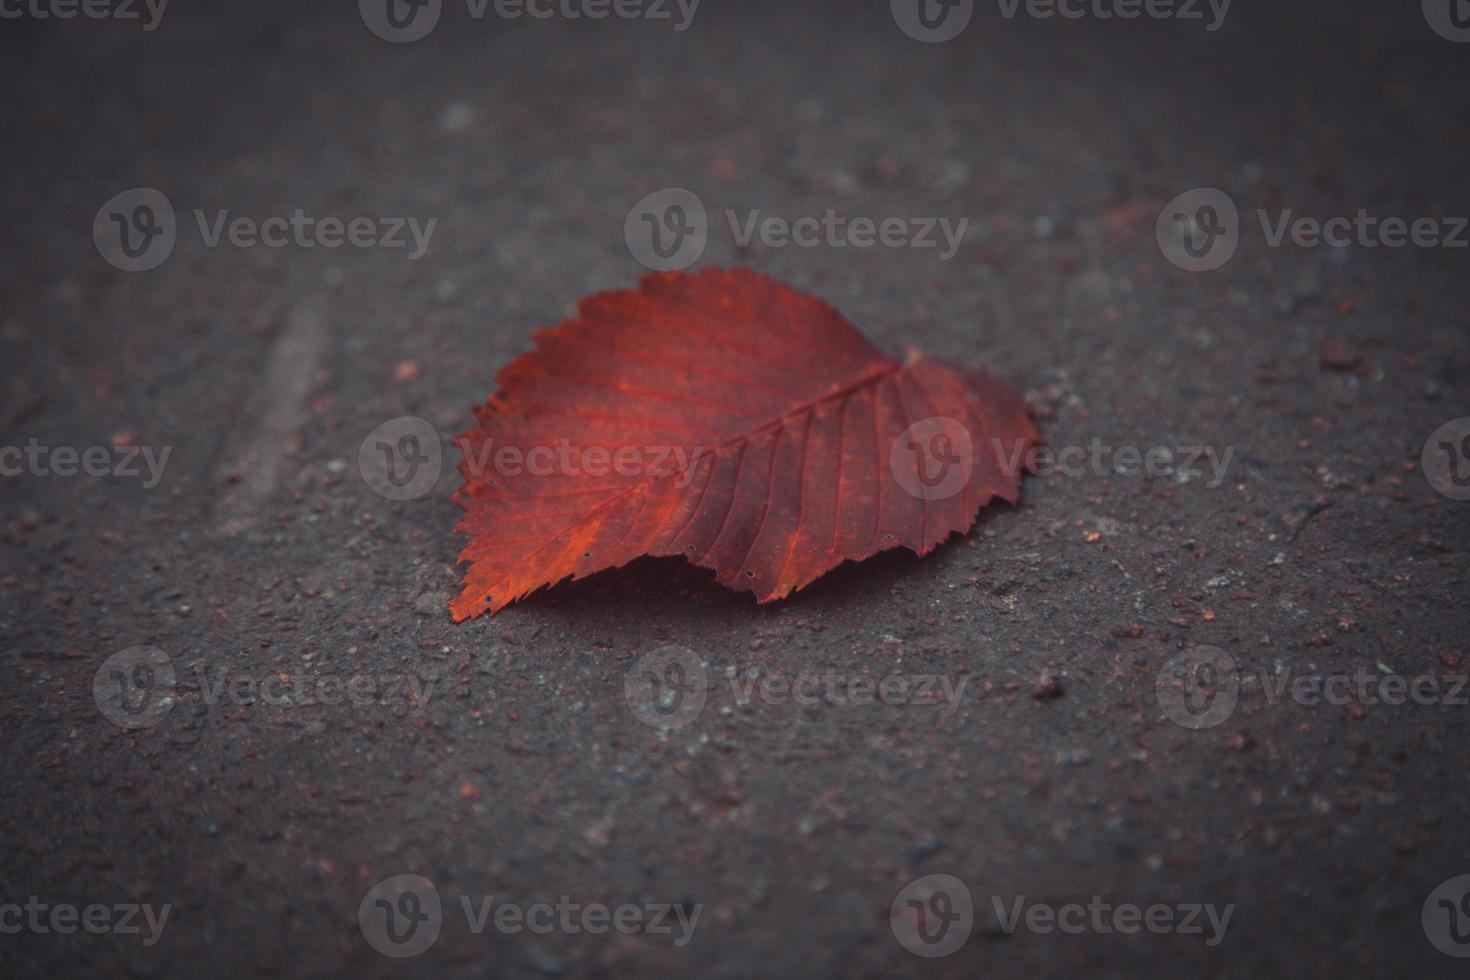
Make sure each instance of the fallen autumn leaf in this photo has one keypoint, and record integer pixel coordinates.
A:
(730, 419)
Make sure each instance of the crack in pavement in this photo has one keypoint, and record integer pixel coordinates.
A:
(251, 461)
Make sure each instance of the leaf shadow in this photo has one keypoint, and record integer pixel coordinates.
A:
(674, 596)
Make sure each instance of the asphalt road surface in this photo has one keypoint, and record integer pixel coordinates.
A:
(1196, 707)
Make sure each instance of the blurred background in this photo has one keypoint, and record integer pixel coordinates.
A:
(1125, 195)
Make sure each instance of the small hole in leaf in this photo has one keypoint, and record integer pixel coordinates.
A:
(750, 574)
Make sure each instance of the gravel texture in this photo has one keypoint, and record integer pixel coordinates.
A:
(502, 757)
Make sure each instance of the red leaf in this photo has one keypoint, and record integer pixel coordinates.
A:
(729, 419)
